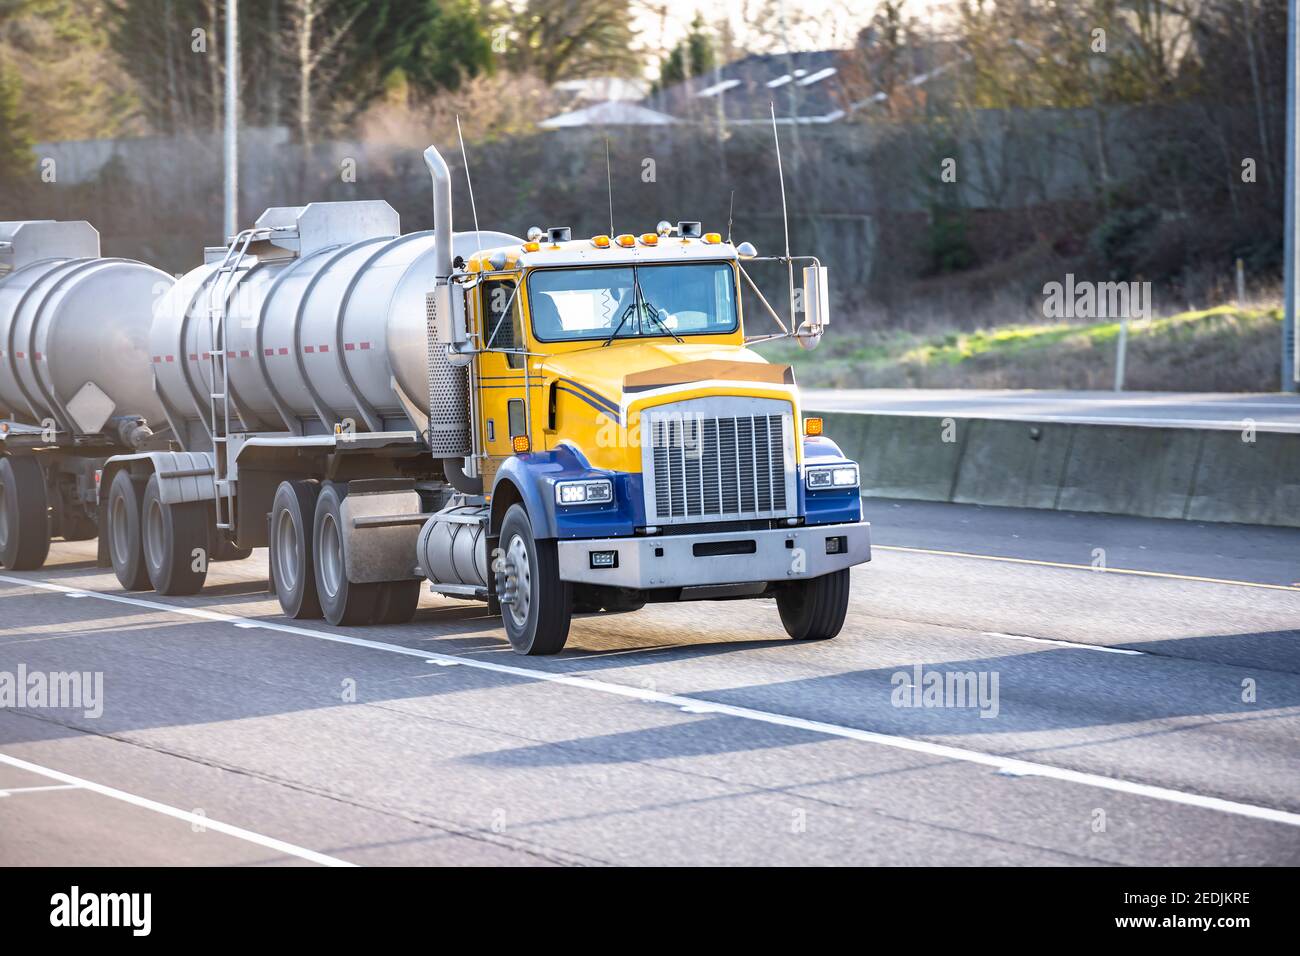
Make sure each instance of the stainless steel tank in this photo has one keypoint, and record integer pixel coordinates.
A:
(325, 323)
(74, 328)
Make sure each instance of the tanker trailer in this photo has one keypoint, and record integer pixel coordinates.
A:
(551, 425)
(74, 379)
(295, 363)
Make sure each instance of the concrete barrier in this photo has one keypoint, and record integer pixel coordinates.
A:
(1157, 472)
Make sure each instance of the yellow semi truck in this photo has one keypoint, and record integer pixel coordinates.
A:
(551, 424)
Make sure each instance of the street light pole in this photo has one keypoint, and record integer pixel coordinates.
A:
(1291, 254)
(231, 221)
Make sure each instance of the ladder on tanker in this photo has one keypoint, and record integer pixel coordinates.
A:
(219, 374)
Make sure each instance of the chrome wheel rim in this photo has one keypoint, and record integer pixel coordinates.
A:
(153, 533)
(517, 564)
(286, 551)
(331, 555)
(117, 522)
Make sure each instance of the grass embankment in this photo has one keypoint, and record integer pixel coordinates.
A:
(1224, 349)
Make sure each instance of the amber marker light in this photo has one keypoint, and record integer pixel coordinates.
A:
(600, 242)
(521, 444)
(812, 426)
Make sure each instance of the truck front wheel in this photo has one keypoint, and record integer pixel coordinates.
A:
(814, 609)
(536, 606)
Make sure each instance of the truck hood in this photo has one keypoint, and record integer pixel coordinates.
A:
(621, 374)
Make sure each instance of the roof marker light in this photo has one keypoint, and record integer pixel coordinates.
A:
(600, 242)
(627, 240)
(713, 238)
(650, 238)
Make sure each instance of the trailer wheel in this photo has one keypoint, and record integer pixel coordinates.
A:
(540, 608)
(397, 602)
(814, 609)
(342, 601)
(24, 515)
(292, 514)
(125, 537)
(175, 542)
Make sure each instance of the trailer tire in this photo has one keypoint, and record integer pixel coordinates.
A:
(537, 622)
(397, 602)
(125, 531)
(24, 514)
(293, 512)
(342, 601)
(814, 609)
(172, 533)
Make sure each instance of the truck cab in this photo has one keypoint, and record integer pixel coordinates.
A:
(633, 448)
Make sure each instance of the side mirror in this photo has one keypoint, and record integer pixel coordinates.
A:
(816, 306)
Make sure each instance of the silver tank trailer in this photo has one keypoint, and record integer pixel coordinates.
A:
(74, 328)
(325, 323)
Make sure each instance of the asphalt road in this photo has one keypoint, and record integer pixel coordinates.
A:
(689, 734)
(1270, 412)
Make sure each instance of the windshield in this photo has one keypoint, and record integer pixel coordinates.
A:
(595, 303)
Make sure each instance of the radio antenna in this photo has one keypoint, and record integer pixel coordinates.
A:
(609, 185)
(478, 236)
(785, 215)
(731, 212)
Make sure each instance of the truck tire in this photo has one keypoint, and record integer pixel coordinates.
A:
(537, 620)
(125, 538)
(814, 609)
(397, 602)
(24, 514)
(343, 602)
(172, 534)
(292, 514)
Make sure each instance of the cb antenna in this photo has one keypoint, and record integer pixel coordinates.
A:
(609, 186)
(785, 215)
(478, 236)
(731, 212)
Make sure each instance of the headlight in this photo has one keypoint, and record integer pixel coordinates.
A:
(594, 492)
(821, 477)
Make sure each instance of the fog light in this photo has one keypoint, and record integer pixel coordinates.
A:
(603, 559)
(837, 545)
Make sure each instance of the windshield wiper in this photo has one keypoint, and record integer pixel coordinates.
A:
(654, 314)
(639, 299)
(619, 328)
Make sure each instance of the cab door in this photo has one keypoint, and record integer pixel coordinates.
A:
(502, 405)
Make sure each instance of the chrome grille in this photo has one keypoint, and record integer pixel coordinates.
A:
(704, 466)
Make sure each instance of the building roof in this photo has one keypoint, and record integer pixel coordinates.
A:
(804, 87)
(612, 113)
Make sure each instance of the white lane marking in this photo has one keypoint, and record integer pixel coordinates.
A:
(193, 819)
(10, 791)
(1047, 640)
(1087, 567)
(1010, 765)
